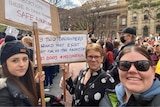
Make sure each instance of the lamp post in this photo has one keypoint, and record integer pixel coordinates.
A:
(69, 21)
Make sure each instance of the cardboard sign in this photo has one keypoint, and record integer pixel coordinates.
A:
(66, 48)
(22, 13)
(26, 12)
(12, 31)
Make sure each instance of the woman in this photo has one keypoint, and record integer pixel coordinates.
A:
(154, 52)
(139, 86)
(109, 59)
(156, 58)
(116, 45)
(89, 87)
(17, 82)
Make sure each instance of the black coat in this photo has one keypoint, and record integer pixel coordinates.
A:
(11, 95)
(92, 92)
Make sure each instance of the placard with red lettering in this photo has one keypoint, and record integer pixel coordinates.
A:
(28, 11)
(66, 48)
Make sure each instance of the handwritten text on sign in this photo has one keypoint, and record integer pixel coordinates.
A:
(66, 48)
(29, 11)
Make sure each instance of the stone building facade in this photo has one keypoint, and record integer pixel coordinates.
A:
(114, 20)
(112, 17)
(106, 18)
(145, 20)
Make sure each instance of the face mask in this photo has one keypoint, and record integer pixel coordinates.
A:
(122, 39)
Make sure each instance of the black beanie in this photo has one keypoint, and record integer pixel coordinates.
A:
(10, 48)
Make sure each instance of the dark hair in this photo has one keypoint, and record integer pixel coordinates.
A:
(109, 46)
(25, 83)
(134, 48)
(19, 37)
(116, 44)
(93, 40)
(2, 35)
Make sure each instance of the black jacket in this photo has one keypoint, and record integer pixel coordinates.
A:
(11, 95)
(92, 92)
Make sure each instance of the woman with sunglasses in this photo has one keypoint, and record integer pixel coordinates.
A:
(138, 85)
(155, 56)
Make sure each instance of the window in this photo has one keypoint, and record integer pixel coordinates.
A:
(114, 22)
(158, 13)
(113, 35)
(146, 15)
(145, 31)
(134, 18)
(102, 24)
(135, 29)
(158, 29)
(123, 21)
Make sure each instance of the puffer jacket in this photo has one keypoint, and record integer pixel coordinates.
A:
(11, 95)
(150, 98)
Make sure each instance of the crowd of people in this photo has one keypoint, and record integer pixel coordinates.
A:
(124, 84)
(124, 72)
(19, 82)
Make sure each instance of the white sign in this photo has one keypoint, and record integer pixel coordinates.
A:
(66, 48)
(29, 11)
(12, 31)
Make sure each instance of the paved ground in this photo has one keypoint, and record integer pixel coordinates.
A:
(55, 89)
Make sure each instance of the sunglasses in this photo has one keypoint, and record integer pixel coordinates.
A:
(141, 65)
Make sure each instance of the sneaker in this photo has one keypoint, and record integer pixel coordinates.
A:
(46, 89)
(51, 85)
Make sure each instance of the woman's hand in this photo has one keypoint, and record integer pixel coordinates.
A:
(40, 77)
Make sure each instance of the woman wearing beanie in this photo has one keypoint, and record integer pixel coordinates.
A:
(17, 82)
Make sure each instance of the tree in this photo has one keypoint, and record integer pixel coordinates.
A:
(145, 4)
(56, 2)
(91, 12)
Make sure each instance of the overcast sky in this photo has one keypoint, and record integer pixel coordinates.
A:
(67, 4)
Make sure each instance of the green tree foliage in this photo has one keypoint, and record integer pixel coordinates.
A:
(138, 4)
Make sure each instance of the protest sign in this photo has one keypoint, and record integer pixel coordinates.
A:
(66, 48)
(11, 31)
(22, 14)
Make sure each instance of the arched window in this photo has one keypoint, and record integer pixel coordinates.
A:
(158, 29)
(145, 31)
(135, 29)
(146, 15)
(134, 16)
(123, 21)
(158, 13)
(114, 21)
